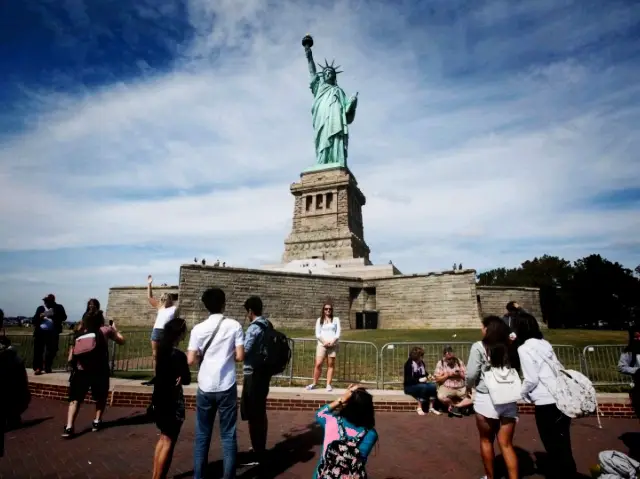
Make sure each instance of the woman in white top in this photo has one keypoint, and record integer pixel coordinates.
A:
(538, 387)
(166, 312)
(328, 335)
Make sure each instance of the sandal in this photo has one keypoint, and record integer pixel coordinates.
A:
(420, 411)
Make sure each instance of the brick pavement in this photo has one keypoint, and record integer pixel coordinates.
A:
(410, 446)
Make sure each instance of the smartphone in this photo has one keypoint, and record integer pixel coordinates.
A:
(111, 322)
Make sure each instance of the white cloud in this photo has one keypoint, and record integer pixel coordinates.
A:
(455, 167)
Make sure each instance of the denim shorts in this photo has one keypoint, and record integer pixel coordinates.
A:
(157, 334)
(483, 405)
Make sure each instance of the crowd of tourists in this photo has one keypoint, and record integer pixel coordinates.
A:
(216, 344)
(489, 385)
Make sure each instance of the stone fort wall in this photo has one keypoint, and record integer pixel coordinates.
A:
(432, 301)
(493, 299)
(291, 300)
(445, 300)
(128, 305)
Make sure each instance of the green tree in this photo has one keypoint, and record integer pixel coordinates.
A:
(604, 291)
(582, 294)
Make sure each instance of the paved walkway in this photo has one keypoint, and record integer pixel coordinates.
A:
(410, 446)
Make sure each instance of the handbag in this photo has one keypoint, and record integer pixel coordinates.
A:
(504, 385)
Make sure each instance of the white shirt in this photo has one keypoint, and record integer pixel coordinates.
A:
(329, 330)
(218, 367)
(164, 316)
(538, 375)
(47, 323)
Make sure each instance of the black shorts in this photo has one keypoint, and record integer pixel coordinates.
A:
(169, 426)
(253, 402)
(81, 382)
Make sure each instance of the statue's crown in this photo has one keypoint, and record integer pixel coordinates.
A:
(326, 66)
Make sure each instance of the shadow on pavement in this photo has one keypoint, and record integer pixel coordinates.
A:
(632, 441)
(26, 424)
(297, 447)
(136, 419)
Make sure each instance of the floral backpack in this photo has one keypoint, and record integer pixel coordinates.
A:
(343, 459)
(574, 393)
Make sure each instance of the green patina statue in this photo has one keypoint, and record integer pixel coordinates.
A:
(332, 112)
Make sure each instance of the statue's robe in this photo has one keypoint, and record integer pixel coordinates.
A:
(330, 121)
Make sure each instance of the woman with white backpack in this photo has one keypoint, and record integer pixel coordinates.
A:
(536, 360)
(491, 371)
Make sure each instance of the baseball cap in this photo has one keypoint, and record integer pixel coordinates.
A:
(49, 297)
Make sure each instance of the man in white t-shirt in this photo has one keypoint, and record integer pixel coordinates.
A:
(217, 389)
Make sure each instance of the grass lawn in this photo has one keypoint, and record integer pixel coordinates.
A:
(379, 337)
(575, 337)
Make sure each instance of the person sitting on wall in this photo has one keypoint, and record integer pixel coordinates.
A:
(450, 375)
(417, 383)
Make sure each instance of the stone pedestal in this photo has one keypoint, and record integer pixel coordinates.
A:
(327, 217)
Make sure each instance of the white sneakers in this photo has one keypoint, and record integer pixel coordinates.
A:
(311, 387)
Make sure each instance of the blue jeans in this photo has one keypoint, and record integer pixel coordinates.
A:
(207, 405)
(422, 391)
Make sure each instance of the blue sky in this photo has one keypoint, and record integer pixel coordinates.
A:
(135, 136)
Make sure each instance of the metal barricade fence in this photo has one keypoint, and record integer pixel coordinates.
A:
(601, 365)
(357, 361)
(24, 345)
(135, 355)
(569, 356)
(394, 355)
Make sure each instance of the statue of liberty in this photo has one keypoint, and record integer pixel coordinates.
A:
(331, 111)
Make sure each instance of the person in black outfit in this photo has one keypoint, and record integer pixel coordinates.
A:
(554, 427)
(90, 371)
(15, 396)
(172, 372)
(47, 326)
(513, 309)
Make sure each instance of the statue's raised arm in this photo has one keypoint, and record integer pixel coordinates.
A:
(331, 111)
(307, 43)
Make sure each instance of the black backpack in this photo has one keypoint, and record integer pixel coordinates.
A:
(274, 352)
(342, 457)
